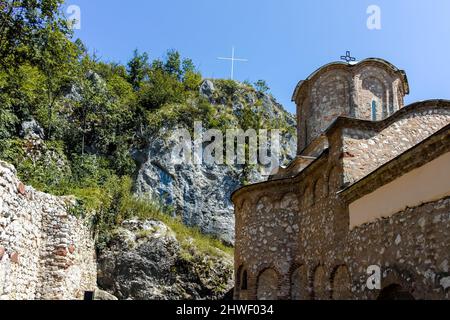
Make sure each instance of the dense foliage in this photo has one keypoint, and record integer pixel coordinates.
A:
(92, 113)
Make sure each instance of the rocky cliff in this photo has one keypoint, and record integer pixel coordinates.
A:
(146, 261)
(200, 193)
(48, 253)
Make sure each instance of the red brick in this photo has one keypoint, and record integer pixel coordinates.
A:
(62, 252)
(21, 188)
(14, 257)
(2, 252)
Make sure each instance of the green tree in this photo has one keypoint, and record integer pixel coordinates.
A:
(24, 24)
(261, 86)
(161, 89)
(191, 77)
(91, 104)
(137, 69)
(57, 57)
(173, 65)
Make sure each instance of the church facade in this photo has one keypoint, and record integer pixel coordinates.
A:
(363, 212)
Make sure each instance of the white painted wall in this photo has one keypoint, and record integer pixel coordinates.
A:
(428, 183)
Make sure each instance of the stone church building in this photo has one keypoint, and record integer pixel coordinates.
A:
(368, 191)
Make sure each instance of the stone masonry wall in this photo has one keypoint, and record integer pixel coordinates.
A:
(293, 239)
(365, 149)
(412, 248)
(45, 252)
(330, 98)
(306, 250)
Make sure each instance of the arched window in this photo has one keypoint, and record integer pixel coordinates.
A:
(244, 281)
(374, 110)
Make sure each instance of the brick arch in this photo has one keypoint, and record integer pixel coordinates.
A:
(241, 281)
(403, 279)
(268, 284)
(299, 282)
(341, 284)
(242, 212)
(320, 284)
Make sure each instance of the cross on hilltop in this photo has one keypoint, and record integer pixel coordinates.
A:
(232, 59)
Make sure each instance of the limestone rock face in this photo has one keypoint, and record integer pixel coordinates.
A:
(200, 193)
(145, 261)
(207, 88)
(31, 129)
(103, 295)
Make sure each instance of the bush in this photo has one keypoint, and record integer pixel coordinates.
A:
(119, 204)
(45, 167)
(161, 89)
(228, 87)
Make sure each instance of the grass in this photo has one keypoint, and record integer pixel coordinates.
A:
(188, 236)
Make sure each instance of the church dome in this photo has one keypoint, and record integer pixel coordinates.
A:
(372, 89)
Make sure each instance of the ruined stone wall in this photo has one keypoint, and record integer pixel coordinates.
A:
(45, 252)
(366, 149)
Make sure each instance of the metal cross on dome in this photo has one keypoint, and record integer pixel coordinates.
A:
(348, 58)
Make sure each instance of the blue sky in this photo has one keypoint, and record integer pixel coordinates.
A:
(284, 40)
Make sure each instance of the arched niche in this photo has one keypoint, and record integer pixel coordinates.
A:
(341, 284)
(267, 285)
